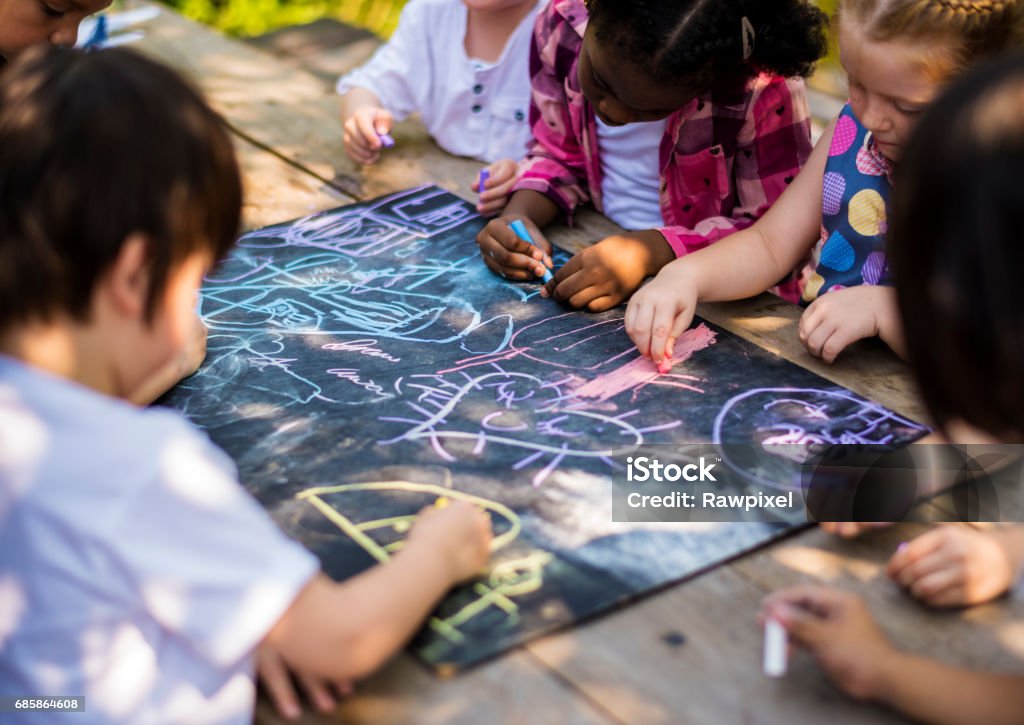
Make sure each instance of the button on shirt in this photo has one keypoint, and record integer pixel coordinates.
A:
(471, 108)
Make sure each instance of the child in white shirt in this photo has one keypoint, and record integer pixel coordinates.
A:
(464, 67)
(134, 570)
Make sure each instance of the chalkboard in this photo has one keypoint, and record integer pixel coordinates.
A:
(364, 362)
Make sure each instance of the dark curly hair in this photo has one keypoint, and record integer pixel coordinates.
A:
(954, 245)
(708, 44)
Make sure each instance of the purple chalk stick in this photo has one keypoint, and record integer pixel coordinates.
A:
(385, 140)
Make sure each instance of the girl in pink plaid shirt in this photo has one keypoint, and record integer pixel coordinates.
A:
(736, 132)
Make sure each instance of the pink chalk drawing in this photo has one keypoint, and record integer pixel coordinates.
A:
(638, 373)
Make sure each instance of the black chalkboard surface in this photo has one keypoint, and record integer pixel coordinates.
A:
(364, 362)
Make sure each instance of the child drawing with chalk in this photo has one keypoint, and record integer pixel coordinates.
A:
(898, 54)
(682, 122)
(463, 67)
(140, 571)
(955, 250)
(26, 23)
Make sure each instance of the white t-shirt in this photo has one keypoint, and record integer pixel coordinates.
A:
(134, 569)
(631, 177)
(471, 108)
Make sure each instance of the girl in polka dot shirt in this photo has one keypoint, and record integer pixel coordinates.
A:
(898, 55)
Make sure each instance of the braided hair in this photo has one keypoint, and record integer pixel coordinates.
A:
(971, 29)
(706, 44)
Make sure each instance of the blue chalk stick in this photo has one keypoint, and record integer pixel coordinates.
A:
(520, 229)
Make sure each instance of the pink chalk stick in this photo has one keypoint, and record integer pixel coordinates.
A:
(664, 366)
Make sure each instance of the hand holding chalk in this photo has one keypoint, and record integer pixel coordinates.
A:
(835, 628)
(495, 185)
(520, 229)
(367, 133)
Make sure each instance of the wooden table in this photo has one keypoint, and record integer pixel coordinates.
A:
(629, 665)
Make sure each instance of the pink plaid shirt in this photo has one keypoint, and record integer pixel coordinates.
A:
(722, 164)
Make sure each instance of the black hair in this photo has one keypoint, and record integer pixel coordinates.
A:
(93, 148)
(708, 44)
(955, 250)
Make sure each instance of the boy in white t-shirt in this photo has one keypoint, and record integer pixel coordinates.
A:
(134, 570)
(464, 67)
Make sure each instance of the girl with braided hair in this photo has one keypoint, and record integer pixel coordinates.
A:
(956, 252)
(682, 121)
(898, 55)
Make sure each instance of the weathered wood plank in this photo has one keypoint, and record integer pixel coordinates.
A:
(514, 688)
(715, 674)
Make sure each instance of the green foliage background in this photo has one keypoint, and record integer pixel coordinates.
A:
(255, 17)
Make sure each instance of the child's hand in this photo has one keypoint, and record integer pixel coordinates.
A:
(838, 631)
(955, 566)
(840, 318)
(362, 142)
(605, 274)
(850, 529)
(661, 311)
(274, 674)
(494, 196)
(506, 254)
(460, 532)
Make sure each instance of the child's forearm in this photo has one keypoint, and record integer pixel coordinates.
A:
(741, 265)
(936, 693)
(356, 100)
(347, 630)
(534, 206)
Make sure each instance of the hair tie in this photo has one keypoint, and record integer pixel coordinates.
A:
(749, 36)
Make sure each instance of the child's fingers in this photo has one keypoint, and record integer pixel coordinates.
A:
(278, 683)
(639, 327)
(366, 130)
(494, 189)
(503, 172)
(317, 692)
(585, 296)
(663, 323)
(922, 567)
(567, 270)
(518, 275)
(934, 585)
(603, 303)
(816, 338)
(383, 121)
(916, 549)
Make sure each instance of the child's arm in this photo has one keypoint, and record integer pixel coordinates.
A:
(346, 630)
(840, 318)
(393, 79)
(838, 631)
(741, 265)
(364, 120)
(552, 178)
(771, 147)
(954, 566)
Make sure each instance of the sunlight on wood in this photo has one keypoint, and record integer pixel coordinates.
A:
(825, 564)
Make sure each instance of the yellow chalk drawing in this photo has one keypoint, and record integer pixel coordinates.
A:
(506, 579)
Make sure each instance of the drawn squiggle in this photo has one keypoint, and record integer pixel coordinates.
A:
(640, 372)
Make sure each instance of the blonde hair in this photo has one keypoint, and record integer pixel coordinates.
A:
(971, 30)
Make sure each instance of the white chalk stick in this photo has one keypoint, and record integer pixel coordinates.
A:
(775, 642)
